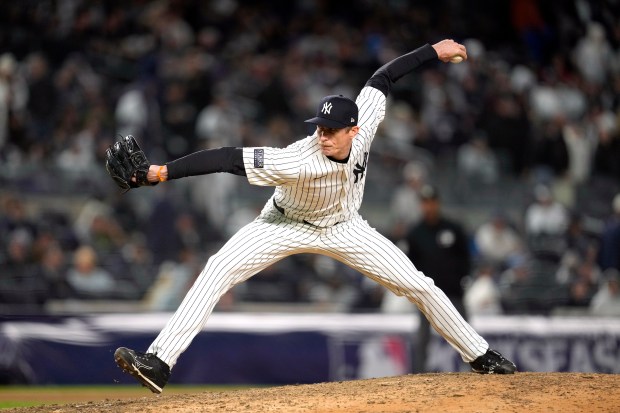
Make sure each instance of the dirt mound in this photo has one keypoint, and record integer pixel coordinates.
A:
(441, 392)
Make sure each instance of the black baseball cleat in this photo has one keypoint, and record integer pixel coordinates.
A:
(147, 368)
(493, 363)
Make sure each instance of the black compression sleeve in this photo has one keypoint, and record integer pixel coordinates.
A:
(390, 72)
(208, 161)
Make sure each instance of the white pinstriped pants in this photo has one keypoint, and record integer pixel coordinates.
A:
(271, 237)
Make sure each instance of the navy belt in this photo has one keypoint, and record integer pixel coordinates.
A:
(281, 210)
(278, 207)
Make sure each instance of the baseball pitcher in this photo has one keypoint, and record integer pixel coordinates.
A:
(319, 184)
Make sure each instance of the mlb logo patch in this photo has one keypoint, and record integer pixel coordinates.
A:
(259, 158)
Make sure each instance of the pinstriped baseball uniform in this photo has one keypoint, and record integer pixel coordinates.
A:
(314, 209)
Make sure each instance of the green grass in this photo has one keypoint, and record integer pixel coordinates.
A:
(9, 405)
(28, 396)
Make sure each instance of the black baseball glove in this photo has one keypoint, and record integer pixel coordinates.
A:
(126, 160)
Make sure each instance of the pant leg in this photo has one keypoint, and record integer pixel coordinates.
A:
(361, 247)
(420, 350)
(419, 354)
(253, 248)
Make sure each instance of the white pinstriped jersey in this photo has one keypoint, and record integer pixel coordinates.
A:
(309, 186)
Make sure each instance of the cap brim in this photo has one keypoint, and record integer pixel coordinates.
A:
(326, 122)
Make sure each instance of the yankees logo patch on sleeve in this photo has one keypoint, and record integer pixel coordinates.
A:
(259, 158)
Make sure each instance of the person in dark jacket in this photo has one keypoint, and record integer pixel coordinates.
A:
(439, 247)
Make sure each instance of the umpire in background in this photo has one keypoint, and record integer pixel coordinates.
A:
(439, 247)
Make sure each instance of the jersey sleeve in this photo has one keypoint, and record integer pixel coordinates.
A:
(371, 104)
(267, 166)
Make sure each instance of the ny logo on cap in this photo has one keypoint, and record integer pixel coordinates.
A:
(327, 108)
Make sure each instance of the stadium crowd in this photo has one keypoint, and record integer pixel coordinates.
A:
(523, 141)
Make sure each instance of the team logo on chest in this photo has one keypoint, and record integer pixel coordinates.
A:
(360, 169)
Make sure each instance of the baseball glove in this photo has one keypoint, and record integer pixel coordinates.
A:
(127, 164)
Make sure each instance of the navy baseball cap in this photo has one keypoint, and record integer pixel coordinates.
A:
(335, 111)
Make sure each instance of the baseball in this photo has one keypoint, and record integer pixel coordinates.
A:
(456, 59)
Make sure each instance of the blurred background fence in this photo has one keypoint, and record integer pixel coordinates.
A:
(280, 348)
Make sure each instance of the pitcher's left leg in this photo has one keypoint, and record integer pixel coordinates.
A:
(363, 248)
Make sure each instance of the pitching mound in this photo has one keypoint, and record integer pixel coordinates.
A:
(445, 392)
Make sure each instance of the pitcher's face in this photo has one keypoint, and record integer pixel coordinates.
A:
(336, 143)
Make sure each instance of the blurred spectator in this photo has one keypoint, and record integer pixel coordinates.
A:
(527, 19)
(400, 128)
(213, 195)
(105, 234)
(606, 301)
(405, 205)
(22, 289)
(78, 158)
(567, 267)
(581, 146)
(578, 240)
(580, 293)
(550, 151)
(41, 92)
(609, 252)
(439, 114)
(13, 99)
(138, 266)
(137, 112)
(15, 217)
(172, 282)
(87, 279)
(518, 287)
(476, 163)
(551, 99)
(53, 268)
(85, 216)
(482, 296)
(496, 240)
(545, 215)
(334, 289)
(508, 130)
(607, 153)
(55, 224)
(161, 233)
(187, 231)
(582, 275)
(372, 298)
(219, 123)
(178, 116)
(582, 289)
(7, 67)
(592, 54)
(126, 214)
(546, 221)
(439, 247)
